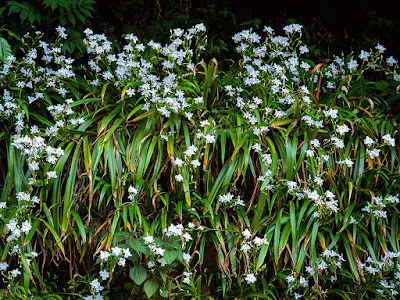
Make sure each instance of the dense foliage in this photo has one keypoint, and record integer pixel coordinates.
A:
(149, 172)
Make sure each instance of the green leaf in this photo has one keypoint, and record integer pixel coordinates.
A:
(277, 235)
(138, 274)
(5, 49)
(13, 8)
(23, 15)
(71, 18)
(139, 247)
(69, 196)
(164, 292)
(80, 16)
(150, 287)
(85, 12)
(80, 225)
(171, 255)
(62, 20)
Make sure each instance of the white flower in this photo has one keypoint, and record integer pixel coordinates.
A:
(187, 257)
(187, 237)
(260, 241)
(368, 141)
(158, 251)
(26, 227)
(291, 185)
(3, 266)
(333, 113)
(390, 198)
(250, 278)
(104, 255)
(364, 55)
(373, 153)
(15, 272)
(318, 180)
(380, 213)
(268, 29)
(186, 277)
(148, 239)
(179, 162)
(191, 151)
(186, 280)
(342, 129)
(210, 138)
(127, 253)
(204, 123)
(95, 285)
(310, 270)
(179, 177)
(303, 49)
(104, 274)
(347, 162)
(322, 265)
(175, 230)
(256, 147)
(261, 178)
(116, 251)
(34, 129)
(121, 262)
(352, 65)
(88, 31)
(380, 48)
(51, 174)
(245, 247)
(132, 190)
(389, 140)
(315, 143)
(309, 153)
(198, 100)
(225, 198)
(247, 234)
(240, 201)
(195, 163)
(391, 61)
(290, 279)
(306, 66)
(372, 270)
(338, 142)
(61, 32)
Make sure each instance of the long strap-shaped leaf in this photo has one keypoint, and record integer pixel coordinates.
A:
(69, 189)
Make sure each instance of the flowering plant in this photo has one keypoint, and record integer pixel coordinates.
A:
(157, 164)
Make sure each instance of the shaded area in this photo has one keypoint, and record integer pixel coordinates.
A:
(333, 27)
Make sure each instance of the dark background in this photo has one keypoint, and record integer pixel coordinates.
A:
(333, 26)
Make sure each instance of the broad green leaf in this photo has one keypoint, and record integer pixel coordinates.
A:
(5, 49)
(138, 274)
(150, 287)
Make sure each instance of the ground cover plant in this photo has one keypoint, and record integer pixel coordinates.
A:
(147, 172)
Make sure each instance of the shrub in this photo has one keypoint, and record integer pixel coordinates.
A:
(183, 178)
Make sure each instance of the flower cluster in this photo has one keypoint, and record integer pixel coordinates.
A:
(250, 242)
(326, 266)
(386, 271)
(178, 230)
(230, 200)
(377, 205)
(109, 260)
(36, 150)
